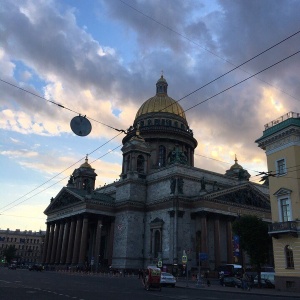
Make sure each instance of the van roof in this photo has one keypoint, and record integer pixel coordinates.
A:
(234, 265)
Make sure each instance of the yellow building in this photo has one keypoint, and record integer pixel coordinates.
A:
(281, 141)
(28, 245)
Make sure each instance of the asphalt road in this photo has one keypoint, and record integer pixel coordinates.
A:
(23, 284)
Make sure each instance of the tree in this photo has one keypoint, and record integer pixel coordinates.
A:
(254, 239)
(9, 253)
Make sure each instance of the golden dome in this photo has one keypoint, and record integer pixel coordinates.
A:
(86, 164)
(236, 165)
(161, 102)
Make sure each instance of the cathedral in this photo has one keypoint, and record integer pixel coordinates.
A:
(162, 208)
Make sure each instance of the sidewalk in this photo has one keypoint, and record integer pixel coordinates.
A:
(182, 283)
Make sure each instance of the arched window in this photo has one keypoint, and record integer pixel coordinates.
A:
(140, 164)
(289, 257)
(157, 245)
(162, 156)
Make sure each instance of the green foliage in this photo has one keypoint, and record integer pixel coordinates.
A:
(254, 238)
(9, 253)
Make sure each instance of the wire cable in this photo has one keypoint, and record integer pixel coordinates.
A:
(243, 80)
(123, 131)
(198, 89)
(60, 105)
(211, 52)
(235, 84)
(55, 177)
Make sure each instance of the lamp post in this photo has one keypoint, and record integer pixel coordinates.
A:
(98, 245)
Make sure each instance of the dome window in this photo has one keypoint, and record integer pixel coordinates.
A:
(162, 156)
(176, 124)
(156, 121)
(149, 122)
(163, 122)
(142, 123)
(169, 122)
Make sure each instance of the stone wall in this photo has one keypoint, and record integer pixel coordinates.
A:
(128, 240)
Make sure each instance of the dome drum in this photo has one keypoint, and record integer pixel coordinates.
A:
(161, 119)
(164, 132)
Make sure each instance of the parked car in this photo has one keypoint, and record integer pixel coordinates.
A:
(12, 266)
(230, 281)
(267, 280)
(36, 268)
(167, 279)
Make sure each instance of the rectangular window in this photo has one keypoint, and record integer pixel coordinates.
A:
(289, 257)
(285, 210)
(281, 167)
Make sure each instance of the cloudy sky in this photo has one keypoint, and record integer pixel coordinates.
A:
(102, 59)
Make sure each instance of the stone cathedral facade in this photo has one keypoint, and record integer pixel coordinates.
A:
(161, 207)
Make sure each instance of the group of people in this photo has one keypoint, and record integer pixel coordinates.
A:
(246, 280)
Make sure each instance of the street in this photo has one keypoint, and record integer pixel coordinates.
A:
(23, 284)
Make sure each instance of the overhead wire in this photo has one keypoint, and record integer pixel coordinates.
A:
(272, 173)
(60, 105)
(123, 131)
(54, 183)
(58, 173)
(191, 93)
(207, 99)
(206, 49)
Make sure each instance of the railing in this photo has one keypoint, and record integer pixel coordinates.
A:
(289, 227)
(286, 116)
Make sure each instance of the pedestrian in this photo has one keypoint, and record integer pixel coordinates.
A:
(245, 282)
(206, 277)
(208, 282)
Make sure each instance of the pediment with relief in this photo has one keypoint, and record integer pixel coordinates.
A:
(62, 200)
(244, 195)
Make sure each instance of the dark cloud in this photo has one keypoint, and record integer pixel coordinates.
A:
(191, 41)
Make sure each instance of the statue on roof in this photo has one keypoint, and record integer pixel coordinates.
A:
(71, 180)
(178, 156)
